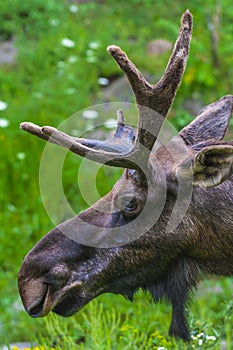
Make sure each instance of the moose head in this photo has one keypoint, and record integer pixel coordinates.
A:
(127, 241)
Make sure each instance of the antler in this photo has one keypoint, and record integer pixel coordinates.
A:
(153, 103)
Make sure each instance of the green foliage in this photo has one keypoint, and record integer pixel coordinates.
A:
(103, 326)
(52, 80)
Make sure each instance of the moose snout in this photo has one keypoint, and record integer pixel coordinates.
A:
(40, 294)
(33, 294)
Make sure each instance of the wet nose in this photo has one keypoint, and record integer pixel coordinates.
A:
(32, 293)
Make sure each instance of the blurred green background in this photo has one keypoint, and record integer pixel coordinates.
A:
(61, 67)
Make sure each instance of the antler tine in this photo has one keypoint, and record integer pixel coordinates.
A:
(106, 152)
(159, 97)
(35, 130)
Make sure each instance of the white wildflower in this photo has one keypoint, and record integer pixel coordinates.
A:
(103, 81)
(199, 335)
(210, 337)
(61, 64)
(3, 105)
(90, 56)
(68, 43)
(90, 114)
(4, 123)
(200, 342)
(72, 59)
(21, 155)
(111, 123)
(91, 59)
(89, 52)
(94, 45)
(54, 22)
(73, 8)
(11, 208)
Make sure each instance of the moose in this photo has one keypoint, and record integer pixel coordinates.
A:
(127, 240)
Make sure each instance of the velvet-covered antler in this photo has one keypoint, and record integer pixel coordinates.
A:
(153, 103)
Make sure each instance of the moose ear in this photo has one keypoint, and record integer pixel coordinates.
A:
(211, 122)
(213, 165)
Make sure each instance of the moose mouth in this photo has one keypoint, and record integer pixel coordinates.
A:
(69, 305)
(64, 306)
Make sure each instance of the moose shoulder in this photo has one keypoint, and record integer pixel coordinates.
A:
(128, 239)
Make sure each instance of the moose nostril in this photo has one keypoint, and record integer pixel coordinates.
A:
(58, 275)
(37, 310)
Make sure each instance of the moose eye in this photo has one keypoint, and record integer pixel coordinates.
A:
(128, 203)
(129, 206)
(132, 205)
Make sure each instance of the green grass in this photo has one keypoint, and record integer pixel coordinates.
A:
(114, 323)
(48, 83)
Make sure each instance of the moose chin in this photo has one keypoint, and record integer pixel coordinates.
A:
(130, 245)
